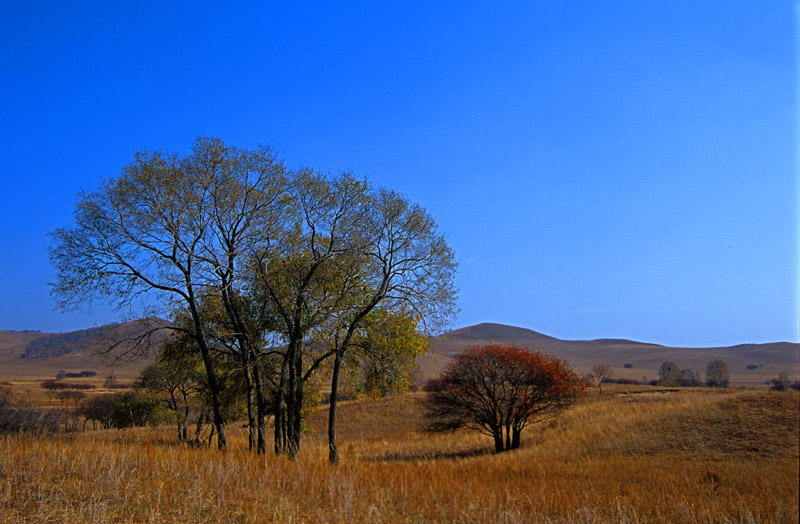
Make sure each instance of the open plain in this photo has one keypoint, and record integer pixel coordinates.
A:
(630, 454)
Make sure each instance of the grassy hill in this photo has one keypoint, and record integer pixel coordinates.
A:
(644, 358)
(109, 349)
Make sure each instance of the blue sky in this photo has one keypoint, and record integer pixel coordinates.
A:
(602, 169)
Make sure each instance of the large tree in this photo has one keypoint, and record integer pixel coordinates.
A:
(347, 249)
(499, 390)
(171, 231)
(406, 265)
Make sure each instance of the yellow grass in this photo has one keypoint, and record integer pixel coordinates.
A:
(690, 456)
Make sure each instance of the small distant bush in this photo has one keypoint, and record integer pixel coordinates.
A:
(781, 383)
(689, 379)
(653, 382)
(751, 367)
(627, 366)
(628, 381)
(80, 374)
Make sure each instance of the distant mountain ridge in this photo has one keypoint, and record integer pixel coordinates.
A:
(628, 358)
(748, 363)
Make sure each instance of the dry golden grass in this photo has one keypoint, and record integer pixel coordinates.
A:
(690, 456)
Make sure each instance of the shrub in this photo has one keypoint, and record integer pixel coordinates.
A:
(138, 409)
(781, 383)
(17, 417)
(689, 378)
(100, 408)
(627, 366)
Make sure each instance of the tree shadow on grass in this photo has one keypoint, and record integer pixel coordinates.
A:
(431, 455)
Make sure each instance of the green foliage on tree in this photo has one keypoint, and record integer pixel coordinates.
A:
(383, 357)
(137, 408)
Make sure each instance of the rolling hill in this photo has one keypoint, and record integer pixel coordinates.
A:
(644, 358)
(26, 355)
(34, 355)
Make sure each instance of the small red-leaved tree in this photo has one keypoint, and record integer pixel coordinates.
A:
(498, 390)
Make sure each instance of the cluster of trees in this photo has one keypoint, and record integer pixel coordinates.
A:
(782, 383)
(717, 375)
(277, 273)
(499, 390)
(669, 374)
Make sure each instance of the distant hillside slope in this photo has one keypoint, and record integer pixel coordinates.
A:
(643, 358)
(27, 355)
(36, 355)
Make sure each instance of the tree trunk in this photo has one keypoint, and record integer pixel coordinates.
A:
(297, 426)
(515, 438)
(498, 440)
(251, 408)
(291, 399)
(185, 421)
(333, 452)
(261, 414)
(278, 415)
(279, 408)
(216, 403)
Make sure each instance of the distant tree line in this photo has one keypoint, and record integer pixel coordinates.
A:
(61, 374)
(57, 344)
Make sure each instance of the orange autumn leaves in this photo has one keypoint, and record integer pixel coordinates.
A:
(499, 390)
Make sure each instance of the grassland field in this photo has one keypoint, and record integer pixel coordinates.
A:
(630, 454)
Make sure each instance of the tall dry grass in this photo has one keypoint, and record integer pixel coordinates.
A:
(691, 456)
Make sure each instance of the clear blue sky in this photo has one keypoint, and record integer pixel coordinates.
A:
(602, 169)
